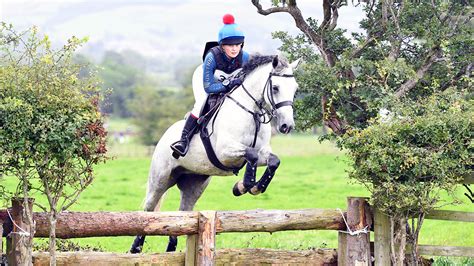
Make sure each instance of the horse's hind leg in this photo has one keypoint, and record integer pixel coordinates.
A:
(191, 186)
(241, 187)
(158, 184)
(272, 164)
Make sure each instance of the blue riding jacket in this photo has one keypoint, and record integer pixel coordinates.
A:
(217, 67)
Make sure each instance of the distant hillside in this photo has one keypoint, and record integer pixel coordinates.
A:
(168, 33)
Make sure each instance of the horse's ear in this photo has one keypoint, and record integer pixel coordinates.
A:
(295, 64)
(275, 61)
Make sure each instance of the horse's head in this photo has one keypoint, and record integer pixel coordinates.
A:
(280, 91)
(271, 85)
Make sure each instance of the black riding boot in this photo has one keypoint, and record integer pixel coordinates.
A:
(180, 147)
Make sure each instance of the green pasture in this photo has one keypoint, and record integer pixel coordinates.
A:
(311, 175)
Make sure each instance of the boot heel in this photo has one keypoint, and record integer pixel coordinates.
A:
(175, 155)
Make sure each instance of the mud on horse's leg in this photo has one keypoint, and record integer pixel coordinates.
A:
(241, 187)
(262, 185)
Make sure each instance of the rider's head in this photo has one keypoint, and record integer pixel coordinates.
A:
(231, 38)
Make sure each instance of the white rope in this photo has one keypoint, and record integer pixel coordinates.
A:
(349, 231)
(23, 232)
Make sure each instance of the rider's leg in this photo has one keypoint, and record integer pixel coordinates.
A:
(181, 146)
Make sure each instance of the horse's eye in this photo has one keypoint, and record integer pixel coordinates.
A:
(276, 88)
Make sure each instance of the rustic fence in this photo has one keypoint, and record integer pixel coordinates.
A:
(202, 227)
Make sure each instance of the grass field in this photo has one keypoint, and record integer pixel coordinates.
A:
(311, 175)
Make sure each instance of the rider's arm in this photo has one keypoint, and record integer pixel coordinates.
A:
(245, 57)
(210, 84)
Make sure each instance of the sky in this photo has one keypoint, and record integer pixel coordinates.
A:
(159, 28)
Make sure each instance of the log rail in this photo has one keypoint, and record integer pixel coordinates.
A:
(201, 229)
(97, 224)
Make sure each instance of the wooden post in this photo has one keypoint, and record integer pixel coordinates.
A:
(20, 240)
(355, 249)
(342, 249)
(206, 253)
(381, 238)
(191, 246)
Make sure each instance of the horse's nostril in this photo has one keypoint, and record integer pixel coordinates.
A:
(283, 128)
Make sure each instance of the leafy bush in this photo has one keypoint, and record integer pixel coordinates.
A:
(66, 245)
(423, 149)
(408, 160)
(51, 130)
(154, 111)
(414, 58)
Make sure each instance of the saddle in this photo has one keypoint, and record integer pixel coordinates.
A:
(208, 113)
(210, 108)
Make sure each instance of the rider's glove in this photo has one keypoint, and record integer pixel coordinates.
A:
(230, 84)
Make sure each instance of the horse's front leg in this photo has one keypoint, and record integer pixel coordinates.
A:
(241, 187)
(272, 164)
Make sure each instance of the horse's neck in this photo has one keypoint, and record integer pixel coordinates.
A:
(255, 85)
(235, 122)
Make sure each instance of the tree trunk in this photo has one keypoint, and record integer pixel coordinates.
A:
(52, 236)
(398, 243)
(413, 234)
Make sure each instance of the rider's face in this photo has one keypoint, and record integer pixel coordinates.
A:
(232, 50)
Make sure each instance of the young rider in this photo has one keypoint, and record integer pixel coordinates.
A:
(220, 63)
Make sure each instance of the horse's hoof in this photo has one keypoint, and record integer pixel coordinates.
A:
(135, 250)
(255, 191)
(239, 189)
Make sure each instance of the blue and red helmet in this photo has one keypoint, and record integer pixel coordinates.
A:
(230, 32)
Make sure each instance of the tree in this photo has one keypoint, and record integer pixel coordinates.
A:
(121, 77)
(411, 55)
(154, 110)
(51, 130)
(407, 161)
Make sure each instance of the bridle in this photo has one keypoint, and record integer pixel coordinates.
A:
(269, 90)
(264, 115)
